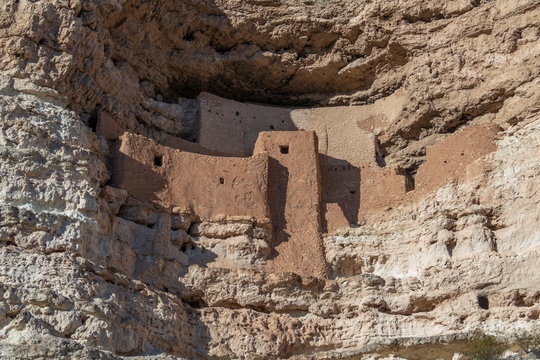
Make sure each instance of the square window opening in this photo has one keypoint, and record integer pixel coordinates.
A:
(158, 160)
(284, 149)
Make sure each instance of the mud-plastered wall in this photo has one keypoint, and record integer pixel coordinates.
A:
(232, 127)
(294, 194)
(208, 185)
(447, 160)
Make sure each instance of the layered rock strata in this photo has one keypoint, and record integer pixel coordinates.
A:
(89, 271)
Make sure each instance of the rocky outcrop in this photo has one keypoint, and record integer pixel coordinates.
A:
(89, 271)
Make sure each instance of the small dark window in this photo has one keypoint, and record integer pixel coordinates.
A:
(483, 302)
(353, 192)
(271, 127)
(284, 149)
(92, 122)
(221, 180)
(237, 113)
(158, 160)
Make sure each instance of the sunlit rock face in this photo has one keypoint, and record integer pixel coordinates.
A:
(408, 219)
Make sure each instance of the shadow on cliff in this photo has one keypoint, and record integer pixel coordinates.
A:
(139, 179)
(340, 183)
(278, 179)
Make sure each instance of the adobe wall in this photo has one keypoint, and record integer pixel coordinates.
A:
(294, 194)
(340, 182)
(108, 127)
(339, 135)
(351, 192)
(380, 189)
(345, 193)
(233, 127)
(208, 185)
(447, 160)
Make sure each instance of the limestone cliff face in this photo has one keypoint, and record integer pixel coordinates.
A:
(89, 271)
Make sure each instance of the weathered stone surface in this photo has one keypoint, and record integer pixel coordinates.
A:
(88, 271)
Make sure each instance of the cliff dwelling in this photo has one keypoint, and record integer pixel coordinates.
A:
(297, 171)
(269, 179)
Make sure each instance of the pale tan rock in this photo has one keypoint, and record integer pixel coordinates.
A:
(88, 272)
